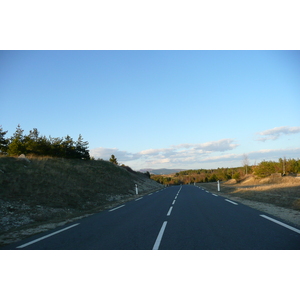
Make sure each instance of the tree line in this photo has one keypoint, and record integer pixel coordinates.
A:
(37, 145)
(283, 166)
(200, 175)
(265, 168)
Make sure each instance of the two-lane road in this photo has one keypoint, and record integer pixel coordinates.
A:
(179, 217)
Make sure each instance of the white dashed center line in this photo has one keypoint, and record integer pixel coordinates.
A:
(160, 235)
(169, 212)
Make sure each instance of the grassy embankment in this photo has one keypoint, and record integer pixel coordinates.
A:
(51, 189)
(280, 191)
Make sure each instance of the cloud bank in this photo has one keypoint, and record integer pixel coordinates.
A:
(175, 154)
(266, 154)
(206, 155)
(275, 133)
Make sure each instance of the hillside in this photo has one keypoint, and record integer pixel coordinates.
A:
(42, 190)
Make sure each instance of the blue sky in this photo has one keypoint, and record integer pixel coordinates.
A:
(159, 109)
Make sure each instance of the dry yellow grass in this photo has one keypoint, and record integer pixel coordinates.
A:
(280, 191)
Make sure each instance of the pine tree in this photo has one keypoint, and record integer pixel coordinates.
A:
(3, 141)
(32, 142)
(82, 148)
(56, 148)
(68, 147)
(113, 160)
(17, 145)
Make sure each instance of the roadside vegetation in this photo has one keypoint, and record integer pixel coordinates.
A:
(282, 167)
(280, 191)
(34, 144)
(36, 191)
(47, 180)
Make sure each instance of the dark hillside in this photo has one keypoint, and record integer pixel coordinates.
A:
(39, 190)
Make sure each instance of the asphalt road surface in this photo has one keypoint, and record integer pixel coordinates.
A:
(175, 218)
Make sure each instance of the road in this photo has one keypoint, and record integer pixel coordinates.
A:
(175, 218)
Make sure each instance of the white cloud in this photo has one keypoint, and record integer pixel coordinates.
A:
(226, 157)
(274, 154)
(182, 153)
(158, 161)
(221, 145)
(105, 153)
(263, 154)
(192, 157)
(154, 151)
(275, 133)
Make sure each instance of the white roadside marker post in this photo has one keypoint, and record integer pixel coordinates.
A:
(136, 189)
(218, 185)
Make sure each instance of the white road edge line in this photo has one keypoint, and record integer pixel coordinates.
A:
(160, 235)
(282, 224)
(231, 202)
(169, 212)
(138, 199)
(46, 236)
(173, 202)
(117, 207)
(215, 195)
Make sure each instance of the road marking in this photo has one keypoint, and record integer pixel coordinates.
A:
(173, 202)
(138, 199)
(169, 212)
(46, 236)
(160, 235)
(150, 194)
(282, 224)
(207, 191)
(215, 195)
(231, 202)
(117, 207)
(176, 197)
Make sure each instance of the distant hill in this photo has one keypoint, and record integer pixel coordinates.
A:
(162, 171)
